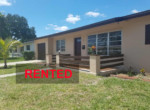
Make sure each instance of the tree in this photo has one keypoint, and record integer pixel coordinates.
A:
(5, 47)
(17, 27)
(3, 27)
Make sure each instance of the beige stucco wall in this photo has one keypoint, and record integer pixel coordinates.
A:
(36, 42)
(137, 54)
(69, 38)
(133, 41)
(48, 45)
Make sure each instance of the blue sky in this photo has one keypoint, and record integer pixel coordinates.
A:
(51, 16)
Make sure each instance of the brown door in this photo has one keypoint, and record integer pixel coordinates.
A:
(41, 51)
(77, 46)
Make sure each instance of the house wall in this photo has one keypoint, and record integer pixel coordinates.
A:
(48, 46)
(36, 42)
(69, 38)
(133, 41)
(137, 54)
(31, 46)
(18, 53)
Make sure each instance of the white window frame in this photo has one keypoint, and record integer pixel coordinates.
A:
(27, 47)
(60, 46)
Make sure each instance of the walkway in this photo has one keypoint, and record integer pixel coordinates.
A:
(22, 62)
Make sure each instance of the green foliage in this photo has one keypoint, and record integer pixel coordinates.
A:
(3, 27)
(5, 47)
(16, 27)
(131, 72)
(143, 72)
(28, 55)
(12, 59)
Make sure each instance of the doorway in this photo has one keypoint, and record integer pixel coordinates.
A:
(77, 46)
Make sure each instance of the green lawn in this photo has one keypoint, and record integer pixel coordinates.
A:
(15, 59)
(10, 69)
(91, 93)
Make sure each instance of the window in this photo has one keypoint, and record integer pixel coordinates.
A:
(105, 43)
(15, 50)
(102, 44)
(22, 49)
(147, 34)
(91, 42)
(60, 45)
(28, 47)
(115, 43)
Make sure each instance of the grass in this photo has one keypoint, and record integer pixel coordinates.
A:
(20, 68)
(92, 93)
(10, 69)
(14, 59)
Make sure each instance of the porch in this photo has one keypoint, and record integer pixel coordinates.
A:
(96, 64)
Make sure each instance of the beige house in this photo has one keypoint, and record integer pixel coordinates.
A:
(128, 35)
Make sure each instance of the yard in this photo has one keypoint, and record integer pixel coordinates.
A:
(14, 59)
(92, 92)
(10, 69)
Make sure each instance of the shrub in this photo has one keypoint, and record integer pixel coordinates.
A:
(28, 55)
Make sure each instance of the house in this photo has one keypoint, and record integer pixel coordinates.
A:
(27, 46)
(128, 35)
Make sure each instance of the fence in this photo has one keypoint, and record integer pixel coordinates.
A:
(93, 62)
(74, 61)
(111, 61)
(54, 57)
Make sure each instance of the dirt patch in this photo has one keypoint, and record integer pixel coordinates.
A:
(124, 76)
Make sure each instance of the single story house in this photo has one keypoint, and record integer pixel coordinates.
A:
(27, 46)
(128, 35)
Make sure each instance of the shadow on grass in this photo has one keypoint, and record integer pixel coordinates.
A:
(9, 67)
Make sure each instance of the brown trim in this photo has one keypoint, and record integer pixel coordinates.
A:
(82, 57)
(75, 61)
(112, 65)
(74, 65)
(115, 56)
(114, 60)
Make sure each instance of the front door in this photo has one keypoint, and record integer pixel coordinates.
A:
(41, 51)
(77, 46)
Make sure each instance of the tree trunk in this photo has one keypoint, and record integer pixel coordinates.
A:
(5, 63)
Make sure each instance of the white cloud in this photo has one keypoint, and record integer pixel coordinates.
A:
(94, 14)
(73, 19)
(56, 27)
(4, 3)
(135, 11)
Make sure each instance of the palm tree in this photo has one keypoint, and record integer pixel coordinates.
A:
(5, 47)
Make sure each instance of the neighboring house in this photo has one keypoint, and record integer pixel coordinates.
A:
(27, 46)
(128, 35)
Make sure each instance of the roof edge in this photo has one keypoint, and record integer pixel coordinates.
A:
(108, 21)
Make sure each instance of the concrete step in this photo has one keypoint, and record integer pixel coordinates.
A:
(108, 71)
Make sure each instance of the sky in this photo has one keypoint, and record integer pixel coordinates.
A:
(53, 16)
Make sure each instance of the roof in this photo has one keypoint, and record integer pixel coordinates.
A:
(109, 21)
(28, 42)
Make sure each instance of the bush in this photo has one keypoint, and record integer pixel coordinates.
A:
(28, 55)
